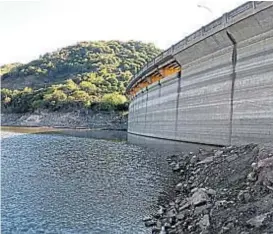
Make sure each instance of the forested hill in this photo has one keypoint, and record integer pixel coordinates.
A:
(84, 74)
(111, 60)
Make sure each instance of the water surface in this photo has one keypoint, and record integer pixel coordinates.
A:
(64, 184)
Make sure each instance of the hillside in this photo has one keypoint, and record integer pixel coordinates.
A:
(82, 75)
(8, 67)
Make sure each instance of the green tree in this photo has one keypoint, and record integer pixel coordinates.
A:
(56, 95)
(112, 100)
(88, 87)
(71, 85)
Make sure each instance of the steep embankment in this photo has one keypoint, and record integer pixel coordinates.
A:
(228, 190)
(93, 120)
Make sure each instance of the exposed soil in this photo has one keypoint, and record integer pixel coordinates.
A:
(76, 119)
(227, 190)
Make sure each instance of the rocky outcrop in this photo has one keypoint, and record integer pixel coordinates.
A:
(77, 119)
(227, 190)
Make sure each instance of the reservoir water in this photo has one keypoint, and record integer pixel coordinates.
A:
(53, 183)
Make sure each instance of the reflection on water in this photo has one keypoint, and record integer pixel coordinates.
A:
(89, 133)
(64, 184)
(28, 129)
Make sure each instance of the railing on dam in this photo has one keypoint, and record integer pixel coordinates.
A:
(229, 18)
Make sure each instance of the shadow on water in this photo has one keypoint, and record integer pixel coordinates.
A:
(53, 183)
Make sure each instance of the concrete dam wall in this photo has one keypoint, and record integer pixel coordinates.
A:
(222, 92)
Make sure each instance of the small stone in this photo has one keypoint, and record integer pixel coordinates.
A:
(150, 223)
(158, 224)
(263, 154)
(146, 218)
(204, 223)
(184, 206)
(226, 228)
(172, 203)
(176, 167)
(194, 190)
(201, 209)
(267, 162)
(211, 192)
(194, 159)
(159, 212)
(156, 230)
(207, 160)
(254, 166)
(256, 150)
(171, 213)
(167, 225)
(196, 171)
(252, 176)
(162, 231)
(247, 197)
(221, 203)
(178, 187)
(231, 158)
(218, 153)
(172, 231)
(240, 195)
(194, 184)
(190, 227)
(177, 200)
(180, 216)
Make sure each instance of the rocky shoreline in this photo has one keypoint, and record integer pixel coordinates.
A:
(227, 190)
(76, 119)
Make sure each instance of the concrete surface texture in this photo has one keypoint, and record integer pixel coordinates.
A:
(224, 94)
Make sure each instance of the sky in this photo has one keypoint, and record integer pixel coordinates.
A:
(31, 28)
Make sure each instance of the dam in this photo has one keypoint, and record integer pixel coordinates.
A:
(213, 87)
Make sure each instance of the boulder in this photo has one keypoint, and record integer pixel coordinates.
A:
(199, 197)
(258, 221)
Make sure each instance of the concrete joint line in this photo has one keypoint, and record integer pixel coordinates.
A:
(159, 98)
(146, 108)
(177, 103)
(233, 78)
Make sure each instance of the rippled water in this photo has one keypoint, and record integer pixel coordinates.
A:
(63, 184)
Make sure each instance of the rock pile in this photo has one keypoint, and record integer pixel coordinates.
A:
(227, 190)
